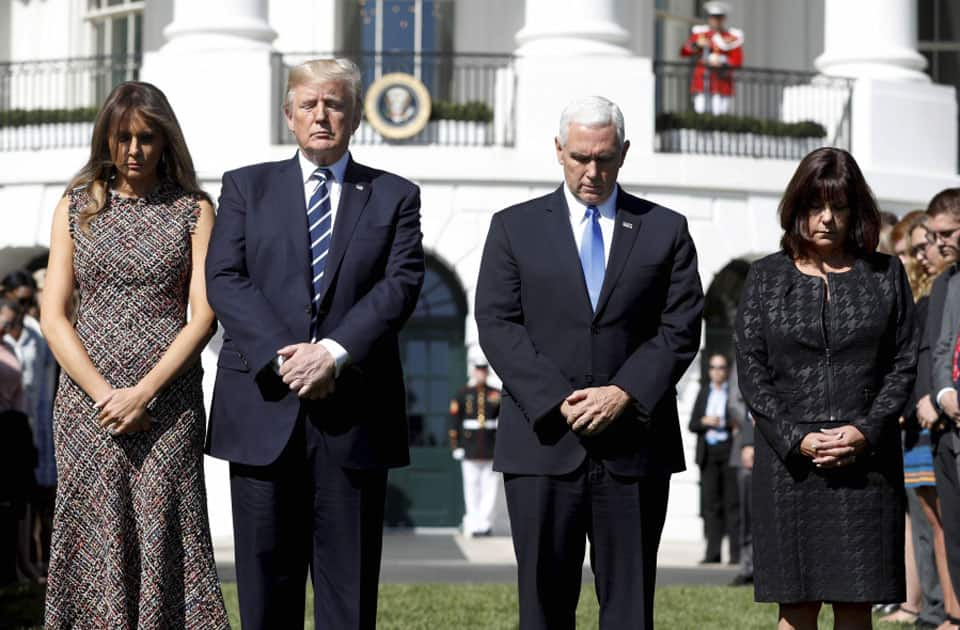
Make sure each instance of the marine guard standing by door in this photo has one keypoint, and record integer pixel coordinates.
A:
(473, 431)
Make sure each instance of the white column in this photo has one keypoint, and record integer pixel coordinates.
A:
(215, 68)
(573, 48)
(897, 111)
(573, 27)
(875, 39)
(219, 23)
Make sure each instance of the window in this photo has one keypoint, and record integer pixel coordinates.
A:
(116, 41)
(399, 36)
(938, 35)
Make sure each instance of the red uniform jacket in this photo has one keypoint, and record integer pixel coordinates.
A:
(727, 46)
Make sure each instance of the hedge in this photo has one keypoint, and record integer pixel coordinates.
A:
(474, 111)
(739, 124)
(21, 117)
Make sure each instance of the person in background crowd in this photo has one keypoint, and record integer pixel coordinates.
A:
(925, 599)
(718, 50)
(17, 456)
(944, 225)
(15, 339)
(826, 352)
(743, 454)
(741, 461)
(39, 373)
(131, 541)
(473, 433)
(719, 498)
(887, 222)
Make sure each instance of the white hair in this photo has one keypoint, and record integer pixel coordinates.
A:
(591, 111)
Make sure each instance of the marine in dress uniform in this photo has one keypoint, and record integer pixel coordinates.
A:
(718, 50)
(473, 431)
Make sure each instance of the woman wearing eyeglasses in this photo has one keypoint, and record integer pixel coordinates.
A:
(826, 354)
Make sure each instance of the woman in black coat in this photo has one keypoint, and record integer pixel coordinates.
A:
(826, 352)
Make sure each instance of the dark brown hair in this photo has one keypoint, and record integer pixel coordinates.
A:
(947, 200)
(829, 176)
(147, 101)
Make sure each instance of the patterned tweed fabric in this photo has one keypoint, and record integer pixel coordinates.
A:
(131, 543)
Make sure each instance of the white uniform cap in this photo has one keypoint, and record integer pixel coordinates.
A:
(716, 8)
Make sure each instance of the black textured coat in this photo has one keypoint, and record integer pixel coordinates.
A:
(806, 363)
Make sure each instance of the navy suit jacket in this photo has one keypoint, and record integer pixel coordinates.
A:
(259, 284)
(541, 335)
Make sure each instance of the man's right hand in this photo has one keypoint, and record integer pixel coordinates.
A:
(746, 457)
(710, 421)
(927, 414)
(948, 402)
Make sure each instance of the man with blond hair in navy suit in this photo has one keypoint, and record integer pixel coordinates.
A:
(314, 265)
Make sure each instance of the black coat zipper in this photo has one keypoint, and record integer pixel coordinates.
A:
(824, 327)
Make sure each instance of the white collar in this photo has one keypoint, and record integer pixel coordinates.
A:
(337, 169)
(578, 209)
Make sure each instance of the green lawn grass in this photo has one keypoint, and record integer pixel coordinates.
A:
(490, 607)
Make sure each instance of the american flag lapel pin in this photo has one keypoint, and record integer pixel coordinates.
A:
(359, 186)
(627, 225)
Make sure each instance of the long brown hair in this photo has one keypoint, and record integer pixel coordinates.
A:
(829, 176)
(147, 101)
(920, 280)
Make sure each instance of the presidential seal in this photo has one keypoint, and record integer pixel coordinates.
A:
(398, 106)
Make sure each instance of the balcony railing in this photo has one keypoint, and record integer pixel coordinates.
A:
(51, 104)
(472, 95)
(772, 113)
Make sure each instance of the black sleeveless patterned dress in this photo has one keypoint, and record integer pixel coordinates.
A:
(131, 541)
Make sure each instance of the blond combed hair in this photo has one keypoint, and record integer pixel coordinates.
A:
(321, 70)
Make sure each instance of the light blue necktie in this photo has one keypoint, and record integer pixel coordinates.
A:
(320, 220)
(591, 254)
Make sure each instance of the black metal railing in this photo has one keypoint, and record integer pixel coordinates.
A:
(472, 95)
(51, 104)
(770, 114)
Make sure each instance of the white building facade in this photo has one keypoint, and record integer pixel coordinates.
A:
(222, 64)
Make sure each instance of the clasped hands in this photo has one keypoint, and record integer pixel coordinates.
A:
(308, 369)
(124, 410)
(591, 410)
(834, 447)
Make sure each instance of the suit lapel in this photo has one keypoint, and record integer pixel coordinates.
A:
(353, 199)
(625, 232)
(292, 209)
(564, 247)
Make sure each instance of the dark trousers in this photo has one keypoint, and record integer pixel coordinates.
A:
(946, 467)
(744, 485)
(305, 510)
(551, 518)
(720, 502)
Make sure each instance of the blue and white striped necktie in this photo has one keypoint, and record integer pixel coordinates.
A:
(320, 220)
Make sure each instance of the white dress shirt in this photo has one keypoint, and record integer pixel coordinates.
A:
(717, 407)
(608, 216)
(335, 186)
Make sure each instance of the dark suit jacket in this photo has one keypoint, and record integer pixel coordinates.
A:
(696, 423)
(259, 284)
(540, 334)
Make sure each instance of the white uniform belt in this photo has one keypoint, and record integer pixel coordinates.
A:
(473, 423)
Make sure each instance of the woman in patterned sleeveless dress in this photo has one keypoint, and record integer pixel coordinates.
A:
(131, 544)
